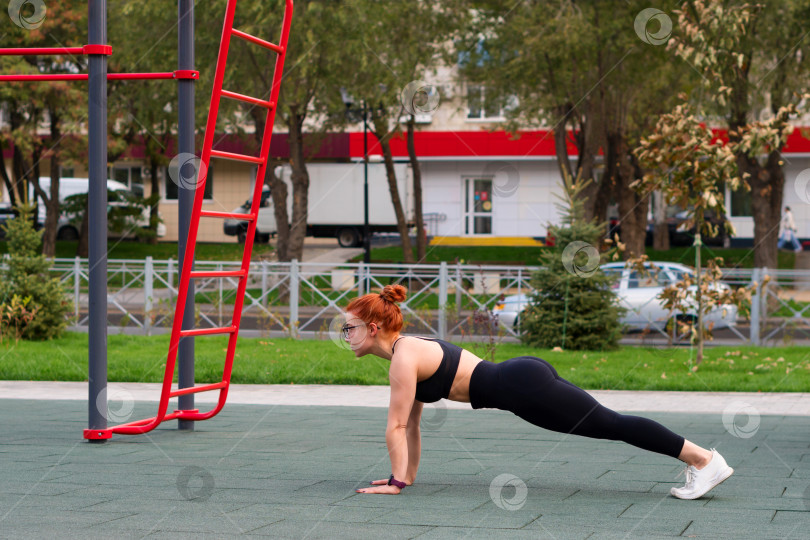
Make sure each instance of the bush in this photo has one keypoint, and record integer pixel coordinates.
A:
(33, 304)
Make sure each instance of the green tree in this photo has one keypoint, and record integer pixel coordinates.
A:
(690, 168)
(753, 62)
(580, 70)
(311, 66)
(27, 278)
(31, 104)
(573, 306)
(144, 112)
(384, 62)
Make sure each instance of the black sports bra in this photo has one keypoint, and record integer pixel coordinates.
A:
(437, 386)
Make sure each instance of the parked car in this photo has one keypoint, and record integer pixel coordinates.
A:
(7, 212)
(67, 227)
(636, 292)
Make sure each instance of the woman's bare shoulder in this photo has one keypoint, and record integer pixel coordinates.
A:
(415, 346)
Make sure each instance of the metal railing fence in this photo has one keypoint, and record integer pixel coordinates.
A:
(444, 300)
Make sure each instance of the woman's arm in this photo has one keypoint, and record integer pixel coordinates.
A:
(414, 438)
(402, 376)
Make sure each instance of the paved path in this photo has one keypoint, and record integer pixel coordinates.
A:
(788, 403)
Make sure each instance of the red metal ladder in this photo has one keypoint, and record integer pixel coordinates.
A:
(143, 426)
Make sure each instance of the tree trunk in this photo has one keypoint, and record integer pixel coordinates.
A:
(660, 229)
(278, 190)
(587, 148)
(17, 162)
(383, 137)
(620, 166)
(153, 208)
(12, 191)
(421, 238)
(52, 199)
(300, 187)
(767, 189)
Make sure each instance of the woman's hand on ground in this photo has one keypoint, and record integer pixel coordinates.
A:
(381, 490)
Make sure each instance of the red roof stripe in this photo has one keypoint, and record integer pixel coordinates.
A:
(499, 143)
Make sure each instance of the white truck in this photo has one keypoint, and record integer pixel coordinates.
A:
(336, 203)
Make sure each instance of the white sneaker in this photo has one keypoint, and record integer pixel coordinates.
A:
(700, 482)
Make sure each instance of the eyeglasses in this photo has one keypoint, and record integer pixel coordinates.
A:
(346, 329)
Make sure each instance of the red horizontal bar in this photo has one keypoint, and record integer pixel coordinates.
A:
(180, 74)
(257, 41)
(248, 99)
(236, 157)
(208, 331)
(49, 77)
(227, 215)
(128, 76)
(93, 48)
(195, 389)
(218, 273)
(24, 51)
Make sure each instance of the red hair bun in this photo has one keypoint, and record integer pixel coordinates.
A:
(380, 308)
(394, 293)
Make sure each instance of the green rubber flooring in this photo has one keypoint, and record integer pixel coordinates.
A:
(291, 472)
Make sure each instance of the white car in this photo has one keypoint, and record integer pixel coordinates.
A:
(67, 227)
(636, 292)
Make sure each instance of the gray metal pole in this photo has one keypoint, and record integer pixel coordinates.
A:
(366, 234)
(185, 196)
(97, 214)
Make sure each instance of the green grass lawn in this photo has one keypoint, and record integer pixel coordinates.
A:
(509, 255)
(129, 249)
(528, 256)
(287, 361)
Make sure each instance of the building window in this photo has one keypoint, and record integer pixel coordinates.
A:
(170, 186)
(740, 203)
(477, 106)
(129, 175)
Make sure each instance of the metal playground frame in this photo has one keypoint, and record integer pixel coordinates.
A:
(181, 343)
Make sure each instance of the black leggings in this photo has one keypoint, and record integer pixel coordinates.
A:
(531, 388)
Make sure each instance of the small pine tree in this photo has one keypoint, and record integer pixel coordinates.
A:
(574, 306)
(27, 277)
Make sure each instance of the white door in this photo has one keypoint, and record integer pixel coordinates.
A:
(477, 206)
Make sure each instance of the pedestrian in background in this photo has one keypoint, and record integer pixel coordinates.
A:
(787, 232)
